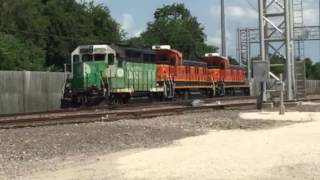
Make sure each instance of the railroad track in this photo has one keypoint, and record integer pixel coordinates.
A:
(109, 115)
(134, 111)
(131, 105)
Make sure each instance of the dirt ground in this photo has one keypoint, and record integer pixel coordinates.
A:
(204, 145)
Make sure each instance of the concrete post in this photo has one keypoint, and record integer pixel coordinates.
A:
(282, 108)
(289, 42)
(26, 87)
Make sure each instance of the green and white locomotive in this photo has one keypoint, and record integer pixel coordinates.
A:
(109, 73)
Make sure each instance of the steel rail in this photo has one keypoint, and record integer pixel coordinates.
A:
(109, 116)
(139, 112)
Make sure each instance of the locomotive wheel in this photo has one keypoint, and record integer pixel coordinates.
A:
(221, 91)
(65, 104)
(125, 99)
(151, 97)
(119, 99)
(186, 95)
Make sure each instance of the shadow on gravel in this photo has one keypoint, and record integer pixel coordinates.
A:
(31, 145)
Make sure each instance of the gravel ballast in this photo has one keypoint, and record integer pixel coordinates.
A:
(30, 150)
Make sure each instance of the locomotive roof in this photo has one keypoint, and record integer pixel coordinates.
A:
(92, 47)
(121, 50)
(194, 62)
(214, 58)
(171, 51)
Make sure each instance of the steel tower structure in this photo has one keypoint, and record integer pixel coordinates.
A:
(298, 21)
(276, 19)
(249, 37)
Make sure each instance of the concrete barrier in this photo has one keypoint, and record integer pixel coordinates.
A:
(25, 91)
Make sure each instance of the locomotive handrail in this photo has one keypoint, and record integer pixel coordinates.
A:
(103, 84)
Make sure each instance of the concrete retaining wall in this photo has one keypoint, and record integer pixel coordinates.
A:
(25, 91)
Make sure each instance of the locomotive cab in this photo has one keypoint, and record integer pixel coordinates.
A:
(109, 73)
(168, 56)
(216, 61)
(90, 65)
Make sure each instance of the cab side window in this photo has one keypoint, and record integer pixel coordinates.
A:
(222, 66)
(76, 58)
(172, 61)
(120, 63)
(111, 59)
(87, 58)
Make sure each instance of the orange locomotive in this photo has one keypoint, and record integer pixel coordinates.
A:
(211, 75)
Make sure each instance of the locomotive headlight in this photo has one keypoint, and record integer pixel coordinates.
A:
(120, 73)
(86, 69)
(68, 85)
(157, 84)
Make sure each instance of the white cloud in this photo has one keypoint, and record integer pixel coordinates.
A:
(138, 32)
(128, 24)
(127, 21)
(216, 39)
(240, 12)
(311, 12)
(235, 12)
(80, 1)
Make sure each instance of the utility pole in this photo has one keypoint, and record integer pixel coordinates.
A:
(223, 30)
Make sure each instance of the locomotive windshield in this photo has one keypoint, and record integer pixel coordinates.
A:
(214, 64)
(93, 57)
(162, 59)
(99, 57)
(87, 57)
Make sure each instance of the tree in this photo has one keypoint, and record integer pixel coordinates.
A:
(17, 55)
(233, 61)
(316, 71)
(277, 62)
(55, 28)
(312, 70)
(72, 24)
(309, 68)
(174, 25)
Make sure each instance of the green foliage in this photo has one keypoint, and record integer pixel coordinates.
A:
(278, 64)
(57, 27)
(17, 55)
(309, 68)
(233, 61)
(40, 34)
(316, 71)
(174, 25)
(312, 70)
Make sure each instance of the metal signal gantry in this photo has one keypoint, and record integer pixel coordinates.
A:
(276, 19)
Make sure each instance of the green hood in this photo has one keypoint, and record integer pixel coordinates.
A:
(87, 74)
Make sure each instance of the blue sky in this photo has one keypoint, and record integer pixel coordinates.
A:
(133, 16)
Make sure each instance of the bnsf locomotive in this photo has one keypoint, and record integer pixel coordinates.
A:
(115, 73)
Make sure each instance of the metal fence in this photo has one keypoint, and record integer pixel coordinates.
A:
(25, 91)
(313, 86)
